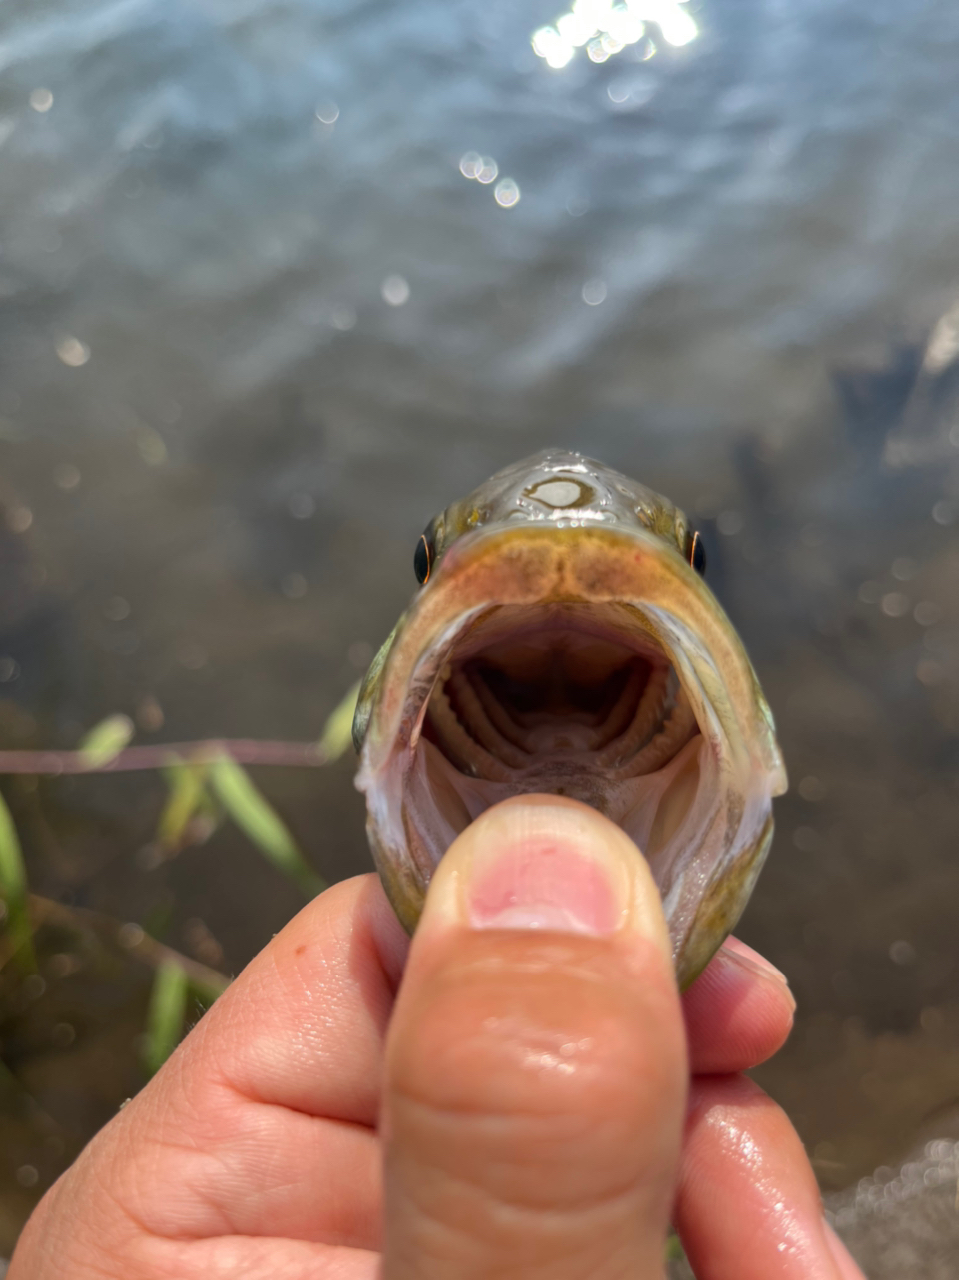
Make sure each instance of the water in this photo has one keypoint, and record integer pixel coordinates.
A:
(258, 324)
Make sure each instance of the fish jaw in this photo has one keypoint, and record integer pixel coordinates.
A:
(645, 587)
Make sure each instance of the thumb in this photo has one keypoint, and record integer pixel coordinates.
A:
(536, 1062)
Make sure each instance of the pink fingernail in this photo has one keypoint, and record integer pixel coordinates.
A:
(543, 884)
(751, 960)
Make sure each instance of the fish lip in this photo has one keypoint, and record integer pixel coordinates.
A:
(585, 560)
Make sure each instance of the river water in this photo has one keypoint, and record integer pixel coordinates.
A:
(278, 280)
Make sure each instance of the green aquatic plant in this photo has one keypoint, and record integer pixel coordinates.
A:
(207, 782)
(167, 1014)
(13, 890)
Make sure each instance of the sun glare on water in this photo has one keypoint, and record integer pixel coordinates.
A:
(605, 28)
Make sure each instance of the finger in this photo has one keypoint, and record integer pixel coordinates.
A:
(738, 1012)
(848, 1270)
(535, 1071)
(748, 1206)
(261, 1124)
(303, 1025)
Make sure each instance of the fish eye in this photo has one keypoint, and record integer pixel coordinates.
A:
(696, 552)
(423, 558)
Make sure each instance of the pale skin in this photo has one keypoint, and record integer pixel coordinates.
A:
(520, 1092)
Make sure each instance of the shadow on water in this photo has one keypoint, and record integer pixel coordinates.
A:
(262, 314)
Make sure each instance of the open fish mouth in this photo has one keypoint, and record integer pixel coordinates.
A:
(567, 697)
(585, 660)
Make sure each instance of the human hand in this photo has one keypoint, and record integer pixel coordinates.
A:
(517, 1106)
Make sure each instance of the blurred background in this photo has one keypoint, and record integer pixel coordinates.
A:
(280, 278)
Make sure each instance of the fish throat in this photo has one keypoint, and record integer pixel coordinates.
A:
(571, 699)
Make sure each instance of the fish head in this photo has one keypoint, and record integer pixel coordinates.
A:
(563, 641)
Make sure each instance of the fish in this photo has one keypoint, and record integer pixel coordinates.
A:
(563, 640)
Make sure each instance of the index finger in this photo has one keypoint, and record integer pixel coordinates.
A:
(303, 1025)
